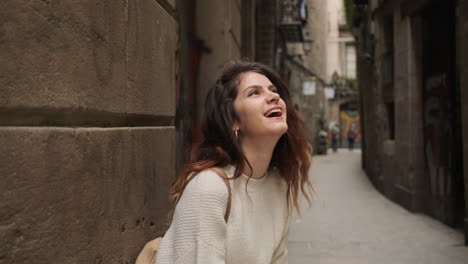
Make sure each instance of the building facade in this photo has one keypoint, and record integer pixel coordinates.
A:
(341, 73)
(411, 66)
(302, 57)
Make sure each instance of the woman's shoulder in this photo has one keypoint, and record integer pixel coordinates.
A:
(207, 183)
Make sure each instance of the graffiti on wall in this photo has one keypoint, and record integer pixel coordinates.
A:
(348, 119)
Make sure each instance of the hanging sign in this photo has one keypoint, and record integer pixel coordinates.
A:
(329, 92)
(308, 88)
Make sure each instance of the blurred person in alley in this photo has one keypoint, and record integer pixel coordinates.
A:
(334, 132)
(352, 133)
(253, 133)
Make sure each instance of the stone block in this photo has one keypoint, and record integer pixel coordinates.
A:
(401, 87)
(406, 198)
(219, 37)
(172, 3)
(403, 160)
(112, 56)
(401, 66)
(84, 195)
(235, 14)
(152, 41)
(389, 148)
(401, 27)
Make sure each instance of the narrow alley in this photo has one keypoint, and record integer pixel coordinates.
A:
(353, 223)
(104, 110)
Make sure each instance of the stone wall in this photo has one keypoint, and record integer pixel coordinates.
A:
(463, 73)
(266, 12)
(219, 27)
(409, 156)
(311, 107)
(87, 106)
(373, 115)
(317, 26)
(397, 165)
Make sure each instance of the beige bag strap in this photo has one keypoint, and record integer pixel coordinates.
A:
(148, 253)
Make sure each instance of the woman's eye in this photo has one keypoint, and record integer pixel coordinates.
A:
(253, 93)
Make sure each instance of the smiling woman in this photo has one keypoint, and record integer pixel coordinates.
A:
(254, 139)
(260, 110)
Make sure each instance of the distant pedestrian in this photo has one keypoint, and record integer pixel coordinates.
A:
(254, 134)
(352, 133)
(334, 132)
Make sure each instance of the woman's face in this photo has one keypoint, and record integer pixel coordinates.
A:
(261, 111)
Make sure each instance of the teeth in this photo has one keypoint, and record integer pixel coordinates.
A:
(276, 110)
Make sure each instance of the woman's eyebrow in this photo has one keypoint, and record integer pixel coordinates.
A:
(252, 87)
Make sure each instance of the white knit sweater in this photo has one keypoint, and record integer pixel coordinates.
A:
(256, 231)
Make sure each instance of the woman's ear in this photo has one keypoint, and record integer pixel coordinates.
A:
(235, 127)
(235, 130)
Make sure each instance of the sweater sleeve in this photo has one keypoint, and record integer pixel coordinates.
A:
(198, 230)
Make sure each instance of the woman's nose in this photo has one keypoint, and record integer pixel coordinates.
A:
(273, 97)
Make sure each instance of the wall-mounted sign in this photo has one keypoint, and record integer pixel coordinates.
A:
(329, 92)
(308, 88)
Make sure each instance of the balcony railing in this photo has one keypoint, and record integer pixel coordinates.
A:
(292, 32)
(361, 2)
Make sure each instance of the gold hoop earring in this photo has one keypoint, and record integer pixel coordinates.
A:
(237, 136)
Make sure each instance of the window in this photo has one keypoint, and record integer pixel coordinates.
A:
(350, 60)
(387, 65)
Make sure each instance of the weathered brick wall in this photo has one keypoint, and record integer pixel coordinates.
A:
(87, 105)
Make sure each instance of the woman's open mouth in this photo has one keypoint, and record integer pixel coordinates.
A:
(275, 112)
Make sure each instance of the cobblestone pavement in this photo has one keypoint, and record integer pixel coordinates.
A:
(352, 223)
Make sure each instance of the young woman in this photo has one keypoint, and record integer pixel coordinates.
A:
(253, 132)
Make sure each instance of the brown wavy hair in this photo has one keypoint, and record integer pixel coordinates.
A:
(292, 155)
